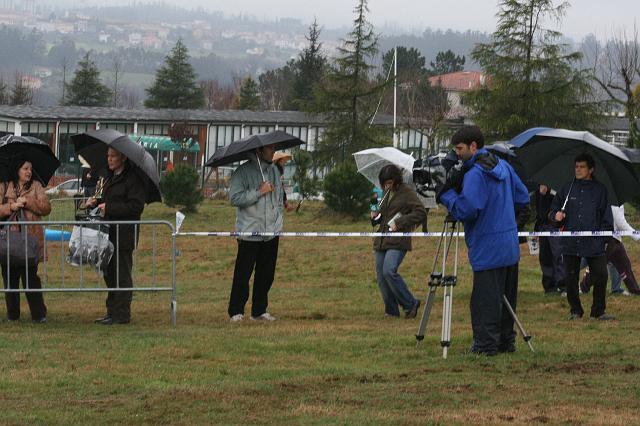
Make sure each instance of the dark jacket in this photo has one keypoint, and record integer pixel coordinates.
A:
(491, 195)
(124, 197)
(404, 201)
(543, 206)
(587, 209)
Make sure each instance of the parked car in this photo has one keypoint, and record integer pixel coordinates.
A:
(68, 188)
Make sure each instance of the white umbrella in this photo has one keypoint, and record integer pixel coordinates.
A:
(371, 161)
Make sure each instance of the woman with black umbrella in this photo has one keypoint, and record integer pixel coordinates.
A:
(24, 198)
(124, 197)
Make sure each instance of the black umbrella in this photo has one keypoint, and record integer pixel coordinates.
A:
(548, 157)
(239, 149)
(39, 154)
(93, 147)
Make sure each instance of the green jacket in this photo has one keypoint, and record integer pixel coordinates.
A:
(404, 201)
(256, 213)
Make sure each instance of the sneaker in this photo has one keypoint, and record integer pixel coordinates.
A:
(414, 311)
(625, 293)
(237, 318)
(603, 317)
(264, 317)
(574, 317)
(42, 320)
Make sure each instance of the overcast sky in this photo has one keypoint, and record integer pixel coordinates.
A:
(584, 16)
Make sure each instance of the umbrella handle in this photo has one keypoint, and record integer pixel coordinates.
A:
(260, 167)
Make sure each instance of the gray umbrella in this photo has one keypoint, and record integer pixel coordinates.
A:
(93, 146)
(548, 157)
(240, 149)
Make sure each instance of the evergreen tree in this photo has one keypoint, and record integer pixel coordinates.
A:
(532, 79)
(276, 87)
(447, 62)
(348, 97)
(410, 63)
(310, 67)
(307, 186)
(85, 88)
(21, 94)
(175, 85)
(249, 95)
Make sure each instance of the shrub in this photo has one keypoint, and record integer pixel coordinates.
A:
(180, 188)
(346, 190)
(307, 186)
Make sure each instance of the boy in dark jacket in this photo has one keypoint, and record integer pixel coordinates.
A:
(583, 205)
(491, 195)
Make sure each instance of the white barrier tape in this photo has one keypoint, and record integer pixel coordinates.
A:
(400, 234)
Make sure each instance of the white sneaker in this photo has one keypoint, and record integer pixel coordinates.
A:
(625, 293)
(264, 317)
(237, 318)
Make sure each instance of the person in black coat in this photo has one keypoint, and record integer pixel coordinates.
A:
(583, 205)
(550, 254)
(123, 199)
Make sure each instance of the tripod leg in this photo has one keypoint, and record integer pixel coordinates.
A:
(526, 337)
(425, 315)
(445, 341)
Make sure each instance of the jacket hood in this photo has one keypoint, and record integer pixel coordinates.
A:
(489, 164)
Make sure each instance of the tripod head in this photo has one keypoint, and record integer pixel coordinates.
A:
(450, 219)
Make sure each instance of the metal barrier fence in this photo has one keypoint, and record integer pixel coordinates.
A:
(153, 264)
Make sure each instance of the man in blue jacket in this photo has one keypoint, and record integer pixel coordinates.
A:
(491, 196)
(583, 205)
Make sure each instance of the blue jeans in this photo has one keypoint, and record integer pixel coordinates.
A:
(392, 287)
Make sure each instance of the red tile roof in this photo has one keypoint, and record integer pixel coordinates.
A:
(460, 81)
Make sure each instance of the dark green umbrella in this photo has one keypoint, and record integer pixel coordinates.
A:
(39, 154)
(548, 157)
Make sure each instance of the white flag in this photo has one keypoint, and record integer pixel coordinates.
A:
(179, 219)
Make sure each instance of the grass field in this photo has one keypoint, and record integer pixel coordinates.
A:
(331, 358)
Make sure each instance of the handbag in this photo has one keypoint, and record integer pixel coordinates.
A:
(89, 244)
(18, 246)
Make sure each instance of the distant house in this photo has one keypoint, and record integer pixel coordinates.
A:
(151, 42)
(104, 37)
(33, 83)
(456, 84)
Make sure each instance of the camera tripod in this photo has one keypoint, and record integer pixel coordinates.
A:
(448, 282)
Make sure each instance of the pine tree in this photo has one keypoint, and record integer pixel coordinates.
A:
(348, 96)
(249, 95)
(175, 85)
(447, 62)
(532, 79)
(21, 93)
(311, 66)
(85, 88)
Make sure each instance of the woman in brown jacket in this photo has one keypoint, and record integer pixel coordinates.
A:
(400, 211)
(22, 193)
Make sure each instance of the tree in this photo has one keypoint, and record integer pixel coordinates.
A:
(85, 88)
(617, 72)
(180, 188)
(276, 87)
(117, 71)
(447, 62)
(217, 96)
(307, 186)
(410, 62)
(348, 97)
(4, 91)
(21, 93)
(249, 95)
(532, 78)
(347, 191)
(175, 85)
(309, 69)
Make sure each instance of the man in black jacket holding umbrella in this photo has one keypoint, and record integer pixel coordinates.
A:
(123, 199)
(583, 205)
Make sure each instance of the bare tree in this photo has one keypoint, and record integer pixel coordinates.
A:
(217, 96)
(617, 73)
(4, 91)
(129, 98)
(64, 79)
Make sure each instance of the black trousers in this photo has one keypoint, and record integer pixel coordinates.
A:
(261, 256)
(550, 258)
(491, 322)
(597, 277)
(119, 302)
(35, 300)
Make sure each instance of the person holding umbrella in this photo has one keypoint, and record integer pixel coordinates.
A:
(256, 190)
(400, 210)
(124, 197)
(583, 205)
(24, 197)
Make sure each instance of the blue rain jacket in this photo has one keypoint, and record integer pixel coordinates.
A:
(491, 194)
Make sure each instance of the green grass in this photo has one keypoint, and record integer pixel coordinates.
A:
(331, 358)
